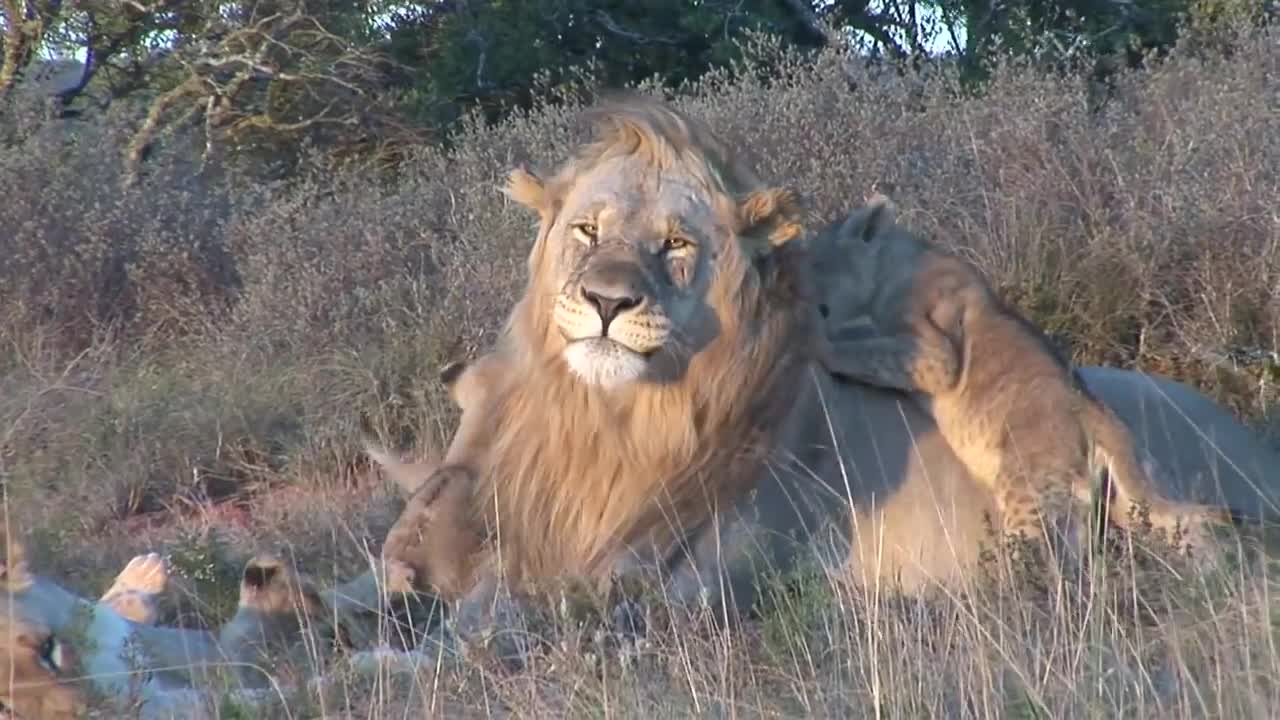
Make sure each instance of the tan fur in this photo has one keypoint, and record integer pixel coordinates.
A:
(1013, 410)
(471, 385)
(38, 668)
(437, 535)
(578, 465)
(137, 589)
(732, 452)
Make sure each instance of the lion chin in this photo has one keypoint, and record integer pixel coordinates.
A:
(604, 363)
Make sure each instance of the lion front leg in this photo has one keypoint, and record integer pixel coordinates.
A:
(488, 621)
(920, 359)
(719, 568)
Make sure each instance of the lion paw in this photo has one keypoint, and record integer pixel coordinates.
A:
(145, 573)
(135, 594)
(383, 659)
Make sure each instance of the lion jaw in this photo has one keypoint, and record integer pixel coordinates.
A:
(603, 362)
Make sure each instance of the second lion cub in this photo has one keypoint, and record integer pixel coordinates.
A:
(438, 535)
(1012, 409)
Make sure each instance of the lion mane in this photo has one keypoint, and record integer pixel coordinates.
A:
(572, 476)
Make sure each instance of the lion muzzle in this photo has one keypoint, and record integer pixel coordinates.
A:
(611, 322)
(611, 301)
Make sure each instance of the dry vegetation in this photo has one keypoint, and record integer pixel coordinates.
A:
(183, 366)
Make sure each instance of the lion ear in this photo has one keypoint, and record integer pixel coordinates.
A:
(773, 213)
(526, 188)
(868, 221)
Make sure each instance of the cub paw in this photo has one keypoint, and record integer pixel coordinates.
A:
(135, 594)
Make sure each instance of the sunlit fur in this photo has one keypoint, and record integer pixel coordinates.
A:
(575, 469)
(1009, 404)
(570, 472)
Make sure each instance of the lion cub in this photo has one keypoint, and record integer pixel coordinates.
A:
(1012, 409)
(437, 536)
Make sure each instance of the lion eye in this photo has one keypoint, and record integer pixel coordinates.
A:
(586, 233)
(51, 654)
(673, 244)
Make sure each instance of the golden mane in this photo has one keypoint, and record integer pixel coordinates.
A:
(563, 494)
(630, 125)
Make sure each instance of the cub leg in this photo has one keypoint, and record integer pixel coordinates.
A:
(1044, 516)
(437, 535)
(1134, 485)
(921, 359)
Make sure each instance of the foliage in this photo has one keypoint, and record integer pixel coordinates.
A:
(201, 338)
(265, 81)
(490, 54)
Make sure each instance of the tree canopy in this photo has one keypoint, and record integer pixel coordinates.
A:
(353, 75)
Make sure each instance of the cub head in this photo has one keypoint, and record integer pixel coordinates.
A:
(277, 604)
(652, 246)
(846, 255)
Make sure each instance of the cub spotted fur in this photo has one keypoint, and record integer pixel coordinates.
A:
(1011, 408)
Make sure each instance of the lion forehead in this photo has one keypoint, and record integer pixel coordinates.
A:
(642, 197)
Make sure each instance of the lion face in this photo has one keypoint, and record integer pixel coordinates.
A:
(636, 258)
(632, 269)
(37, 665)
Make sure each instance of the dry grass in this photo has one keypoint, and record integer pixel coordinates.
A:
(184, 366)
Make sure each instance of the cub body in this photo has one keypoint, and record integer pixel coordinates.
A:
(437, 535)
(1012, 408)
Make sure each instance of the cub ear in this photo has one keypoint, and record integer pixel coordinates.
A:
(463, 389)
(773, 214)
(526, 188)
(868, 221)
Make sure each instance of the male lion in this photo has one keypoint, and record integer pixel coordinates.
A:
(661, 408)
(1012, 409)
(663, 284)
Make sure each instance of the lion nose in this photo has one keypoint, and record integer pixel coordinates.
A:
(610, 305)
